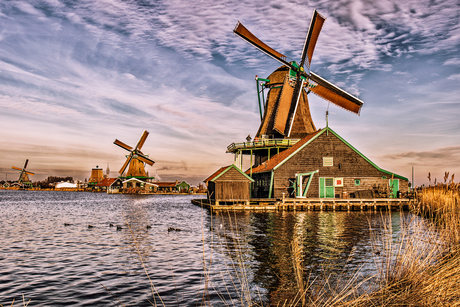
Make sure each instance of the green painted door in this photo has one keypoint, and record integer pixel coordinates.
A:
(326, 187)
(394, 188)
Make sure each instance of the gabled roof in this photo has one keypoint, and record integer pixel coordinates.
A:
(135, 179)
(279, 159)
(217, 173)
(63, 185)
(225, 169)
(106, 182)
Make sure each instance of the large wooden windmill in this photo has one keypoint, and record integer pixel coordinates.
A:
(135, 159)
(286, 114)
(23, 174)
(286, 110)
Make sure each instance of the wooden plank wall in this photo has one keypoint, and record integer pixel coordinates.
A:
(347, 164)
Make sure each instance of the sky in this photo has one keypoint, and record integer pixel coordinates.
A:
(76, 75)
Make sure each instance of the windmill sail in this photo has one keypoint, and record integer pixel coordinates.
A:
(125, 165)
(245, 34)
(141, 142)
(123, 145)
(334, 94)
(145, 160)
(23, 174)
(284, 106)
(287, 112)
(136, 159)
(316, 25)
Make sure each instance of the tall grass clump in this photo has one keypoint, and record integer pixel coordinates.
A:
(442, 206)
(421, 267)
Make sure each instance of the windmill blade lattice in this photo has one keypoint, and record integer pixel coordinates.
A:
(23, 174)
(286, 107)
(134, 153)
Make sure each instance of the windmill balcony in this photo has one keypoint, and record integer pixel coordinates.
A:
(262, 143)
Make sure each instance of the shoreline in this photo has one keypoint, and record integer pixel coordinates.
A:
(90, 191)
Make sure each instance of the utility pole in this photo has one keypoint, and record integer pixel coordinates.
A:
(413, 184)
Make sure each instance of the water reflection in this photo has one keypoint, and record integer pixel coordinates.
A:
(333, 247)
(215, 259)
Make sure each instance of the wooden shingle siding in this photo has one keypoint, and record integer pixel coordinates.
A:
(231, 174)
(229, 184)
(347, 164)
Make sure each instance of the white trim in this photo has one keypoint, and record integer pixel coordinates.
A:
(135, 179)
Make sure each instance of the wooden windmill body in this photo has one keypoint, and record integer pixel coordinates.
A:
(23, 174)
(286, 116)
(302, 124)
(135, 160)
(96, 176)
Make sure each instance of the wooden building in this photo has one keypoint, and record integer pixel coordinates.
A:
(229, 185)
(183, 187)
(323, 165)
(104, 184)
(134, 185)
(97, 174)
(167, 186)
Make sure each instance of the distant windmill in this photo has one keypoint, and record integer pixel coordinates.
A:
(23, 174)
(286, 110)
(135, 159)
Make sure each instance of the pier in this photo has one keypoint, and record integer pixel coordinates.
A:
(314, 204)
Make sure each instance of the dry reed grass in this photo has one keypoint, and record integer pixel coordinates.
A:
(422, 267)
(23, 302)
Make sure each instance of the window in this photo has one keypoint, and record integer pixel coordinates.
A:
(357, 181)
(328, 161)
(329, 182)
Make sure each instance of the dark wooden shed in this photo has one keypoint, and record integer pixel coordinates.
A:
(229, 185)
(324, 165)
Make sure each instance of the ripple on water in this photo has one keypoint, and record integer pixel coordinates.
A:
(51, 256)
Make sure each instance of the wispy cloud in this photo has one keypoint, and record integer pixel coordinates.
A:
(81, 73)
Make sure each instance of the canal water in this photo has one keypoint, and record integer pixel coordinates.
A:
(59, 249)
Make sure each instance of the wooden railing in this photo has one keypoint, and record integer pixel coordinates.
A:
(262, 143)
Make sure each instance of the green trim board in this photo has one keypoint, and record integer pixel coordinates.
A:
(230, 167)
(271, 186)
(365, 158)
(299, 183)
(346, 143)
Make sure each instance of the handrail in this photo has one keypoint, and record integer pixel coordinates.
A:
(262, 143)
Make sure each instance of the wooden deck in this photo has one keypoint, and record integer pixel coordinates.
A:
(315, 204)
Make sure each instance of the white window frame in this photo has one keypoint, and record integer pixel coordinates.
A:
(328, 161)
